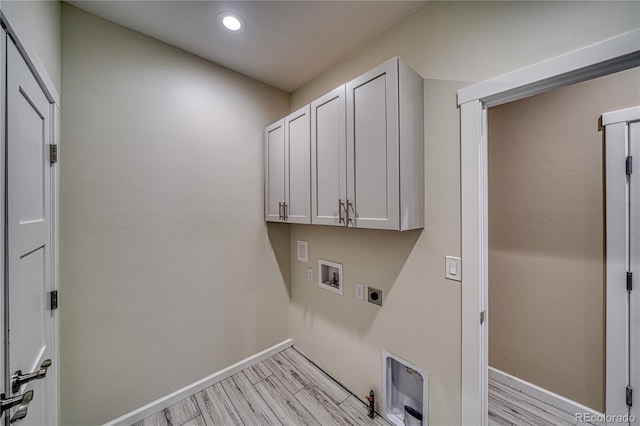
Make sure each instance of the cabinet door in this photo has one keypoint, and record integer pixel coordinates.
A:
(328, 158)
(297, 175)
(274, 171)
(373, 148)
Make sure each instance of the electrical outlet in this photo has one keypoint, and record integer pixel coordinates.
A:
(310, 275)
(360, 291)
(375, 296)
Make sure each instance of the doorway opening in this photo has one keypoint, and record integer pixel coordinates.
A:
(546, 252)
(607, 57)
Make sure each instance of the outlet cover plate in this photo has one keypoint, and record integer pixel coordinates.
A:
(453, 268)
(310, 275)
(374, 296)
(360, 291)
(302, 250)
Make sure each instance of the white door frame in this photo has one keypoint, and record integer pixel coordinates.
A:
(619, 261)
(11, 26)
(606, 57)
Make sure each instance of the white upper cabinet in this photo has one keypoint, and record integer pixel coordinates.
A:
(366, 165)
(385, 148)
(367, 151)
(274, 153)
(329, 159)
(297, 175)
(373, 151)
(287, 175)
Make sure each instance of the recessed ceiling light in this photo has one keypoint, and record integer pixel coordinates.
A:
(231, 21)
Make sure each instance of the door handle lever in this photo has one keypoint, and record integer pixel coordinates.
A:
(19, 379)
(21, 400)
(23, 408)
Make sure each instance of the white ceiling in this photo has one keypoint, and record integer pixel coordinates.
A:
(285, 43)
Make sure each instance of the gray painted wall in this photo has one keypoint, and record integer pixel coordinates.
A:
(448, 43)
(154, 273)
(167, 272)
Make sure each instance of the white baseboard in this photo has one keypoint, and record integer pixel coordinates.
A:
(167, 401)
(541, 394)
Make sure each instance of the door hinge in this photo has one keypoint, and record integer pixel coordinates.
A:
(53, 297)
(629, 164)
(53, 154)
(629, 396)
(482, 317)
(629, 281)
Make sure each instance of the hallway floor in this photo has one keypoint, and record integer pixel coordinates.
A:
(285, 389)
(508, 407)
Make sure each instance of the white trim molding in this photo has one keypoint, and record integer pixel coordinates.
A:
(28, 52)
(606, 57)
(3, 144)
(617, 265)
(621, 146)
(553, 399)
(474, 384)
(167, 401)
(621, 116)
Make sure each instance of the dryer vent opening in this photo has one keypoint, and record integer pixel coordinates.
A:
(404, 391)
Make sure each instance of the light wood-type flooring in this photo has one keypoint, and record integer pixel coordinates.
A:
(508, 407)
(285, 389)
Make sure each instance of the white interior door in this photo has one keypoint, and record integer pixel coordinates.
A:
(622, 136)
(30, 320)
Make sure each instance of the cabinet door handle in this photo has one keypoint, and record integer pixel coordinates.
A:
(349, 207)
(280, 211)
(340, 207)
(285, 216)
